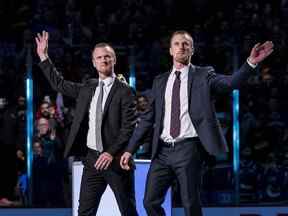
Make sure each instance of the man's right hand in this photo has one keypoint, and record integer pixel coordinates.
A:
(124, 161)
(42, 45)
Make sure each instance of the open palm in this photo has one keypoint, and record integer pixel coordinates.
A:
(260, 51)
(42, 45)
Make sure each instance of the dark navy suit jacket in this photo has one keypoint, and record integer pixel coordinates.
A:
(203, 83)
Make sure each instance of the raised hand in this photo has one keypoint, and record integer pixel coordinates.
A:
(42, 45)
(260, 51)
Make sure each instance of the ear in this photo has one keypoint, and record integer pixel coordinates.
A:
(94, 65)
(170, 51)
(115, 60)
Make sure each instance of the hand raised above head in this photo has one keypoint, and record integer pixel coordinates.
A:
(42, 45)
(260, 51)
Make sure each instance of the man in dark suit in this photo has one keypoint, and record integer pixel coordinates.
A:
(103, 123)
(185, 125)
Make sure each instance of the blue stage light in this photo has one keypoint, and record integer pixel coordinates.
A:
(236, 144)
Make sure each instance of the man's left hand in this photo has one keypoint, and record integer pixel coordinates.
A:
(260, 51)
(103, 162)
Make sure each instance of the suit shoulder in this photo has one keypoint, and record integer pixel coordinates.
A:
(122, 84)
(161, 76)
(92, 81)
(158, 77)
(125, 88)
(206, 69)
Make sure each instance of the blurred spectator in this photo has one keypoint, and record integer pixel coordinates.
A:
(144, 151)
(47, 167)
(43, 110)
(7, 154)
(49, 111)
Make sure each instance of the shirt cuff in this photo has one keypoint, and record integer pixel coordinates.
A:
(251, 65)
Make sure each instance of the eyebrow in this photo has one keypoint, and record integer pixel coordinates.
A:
(107, 55)
(186, 42)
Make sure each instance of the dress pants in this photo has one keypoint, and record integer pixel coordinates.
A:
(181, 161)
(94, 183)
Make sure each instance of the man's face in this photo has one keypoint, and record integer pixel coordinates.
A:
(142, 104)
(37, 148)
(181, 48)
(44, 109)
(104, 59)
(43, 126)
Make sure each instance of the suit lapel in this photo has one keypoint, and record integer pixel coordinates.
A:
(163, 84)
(162, 90)
(86, 98)
(91, 92)
(190, 81)
(112, 92)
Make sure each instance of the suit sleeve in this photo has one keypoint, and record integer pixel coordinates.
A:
(223, 83)
(128, 121)
(57, 82)
(145, 124)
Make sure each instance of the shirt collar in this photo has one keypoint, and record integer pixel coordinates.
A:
(109, 80)
(184, 71)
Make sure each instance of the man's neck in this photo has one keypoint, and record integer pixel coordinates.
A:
(179, 65)
(103, 77)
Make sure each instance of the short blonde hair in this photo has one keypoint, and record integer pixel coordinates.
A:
(102, 45)
(181, 32)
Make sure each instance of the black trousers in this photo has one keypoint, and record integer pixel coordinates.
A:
(94, 183)
(182, 162)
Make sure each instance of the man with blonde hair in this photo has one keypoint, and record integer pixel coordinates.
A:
(103, 124)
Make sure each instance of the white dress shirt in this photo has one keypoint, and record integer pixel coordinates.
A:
(91, 138)
(186, 127)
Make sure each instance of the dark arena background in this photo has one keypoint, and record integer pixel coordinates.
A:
(35, 179)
